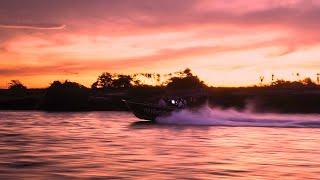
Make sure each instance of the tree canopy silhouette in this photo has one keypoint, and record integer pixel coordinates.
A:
(122, 81)
(104, 81)
(66, 96)
(305, 83)
(17, 88)
(185, 80)
(113, 81)
(16, 85)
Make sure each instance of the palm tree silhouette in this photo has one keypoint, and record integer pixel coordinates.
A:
(261, 80)
(298, 76)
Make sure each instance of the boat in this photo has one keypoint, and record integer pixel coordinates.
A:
(170, 102)
(149, 112)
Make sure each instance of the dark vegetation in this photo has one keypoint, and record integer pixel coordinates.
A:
(301, 96)
(65, 97)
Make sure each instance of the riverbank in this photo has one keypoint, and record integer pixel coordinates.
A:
(258, 99)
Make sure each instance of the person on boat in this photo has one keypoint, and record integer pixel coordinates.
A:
(180, 104)
(162, 103)
(185, 102)
(172, 102)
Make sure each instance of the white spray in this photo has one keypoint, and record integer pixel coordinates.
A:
(231, 117)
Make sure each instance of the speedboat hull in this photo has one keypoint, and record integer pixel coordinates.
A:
(148, 111)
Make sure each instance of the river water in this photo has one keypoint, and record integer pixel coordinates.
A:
(112, 145)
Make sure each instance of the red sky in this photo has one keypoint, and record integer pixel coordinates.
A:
(227, 43)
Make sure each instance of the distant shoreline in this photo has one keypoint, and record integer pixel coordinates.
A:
(258, 99)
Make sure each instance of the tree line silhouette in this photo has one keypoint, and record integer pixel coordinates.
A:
(178, 80)
(67, 95)
(108, 90)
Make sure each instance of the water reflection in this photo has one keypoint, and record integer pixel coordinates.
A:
(113, 145)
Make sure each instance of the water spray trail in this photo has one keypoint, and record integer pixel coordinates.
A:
(231, 117)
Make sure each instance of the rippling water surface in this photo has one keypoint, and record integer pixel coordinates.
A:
(112, 145)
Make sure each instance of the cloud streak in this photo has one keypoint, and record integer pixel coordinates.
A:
(163, 56)
(33, 26)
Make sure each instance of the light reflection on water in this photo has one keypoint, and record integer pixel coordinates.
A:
(111, 145)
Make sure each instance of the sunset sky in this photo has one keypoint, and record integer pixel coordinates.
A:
(225, 42)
